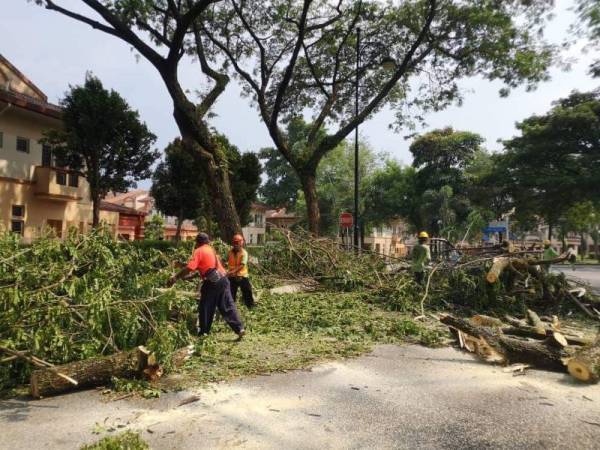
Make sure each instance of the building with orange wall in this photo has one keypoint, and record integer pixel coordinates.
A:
(36, 194)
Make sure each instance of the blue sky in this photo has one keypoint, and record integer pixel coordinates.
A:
(54, 51)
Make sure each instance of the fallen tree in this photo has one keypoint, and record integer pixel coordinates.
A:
(542, 354)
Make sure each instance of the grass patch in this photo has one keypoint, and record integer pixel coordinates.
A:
(124, 441)
(290, 331)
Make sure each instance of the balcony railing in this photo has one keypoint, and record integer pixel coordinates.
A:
(59, 184)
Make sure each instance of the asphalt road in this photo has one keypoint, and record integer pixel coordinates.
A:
(397, 397)
(588, 274)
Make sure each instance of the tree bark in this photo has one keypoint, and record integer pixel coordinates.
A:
(89, 372)
(178, 231)
(537, 354)
(309, 187)
(199, 143)
(95, 210)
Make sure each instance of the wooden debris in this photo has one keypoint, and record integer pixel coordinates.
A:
(536, 322)
(585, 364)
(538, 354)
(88, 372)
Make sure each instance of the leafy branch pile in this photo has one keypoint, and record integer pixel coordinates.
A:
(85, 296)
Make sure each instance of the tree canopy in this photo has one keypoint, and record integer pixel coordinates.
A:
(555, 163)
(296, 57)
(164, 32)
(178, 187)
(104, 138)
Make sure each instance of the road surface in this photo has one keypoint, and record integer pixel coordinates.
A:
(588, 274)
(406, 397)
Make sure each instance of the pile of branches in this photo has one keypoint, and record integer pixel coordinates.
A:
(299, 257)
(84, 297)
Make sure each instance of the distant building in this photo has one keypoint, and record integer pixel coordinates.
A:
(141, 201)
(389, 240)
(280, 218)
(130, 226)
(254, 232)
(34, 192)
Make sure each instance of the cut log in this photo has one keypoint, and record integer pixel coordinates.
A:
(585, 364)
(498, 265)
(557, 340)
(530, 332)
(89, 372)
(537, 354)
(536, 322)
(486, 321)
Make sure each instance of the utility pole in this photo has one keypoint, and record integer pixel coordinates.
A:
(356, 160)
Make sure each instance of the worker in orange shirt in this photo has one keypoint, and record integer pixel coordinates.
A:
(237, 264)
(215, 291)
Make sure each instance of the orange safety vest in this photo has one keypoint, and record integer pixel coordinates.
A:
(236, 260)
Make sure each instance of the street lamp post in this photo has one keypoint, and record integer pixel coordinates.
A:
(357, 241)
(388, 64)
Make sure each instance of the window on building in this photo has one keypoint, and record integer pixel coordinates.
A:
(22, 144)
(81, 227)
(46, 156)
(18, 211)
(1, 139)
(73, 180)
(17, 226)
(251, 239)
(55, 226)
(260, 239)
(61, 178)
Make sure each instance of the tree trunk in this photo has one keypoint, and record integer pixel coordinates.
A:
(539, 354)
(584, 247)
(95, 210)
(200, 144)
(89, 372)
(550, 231)
(178, 231)
(309, 187)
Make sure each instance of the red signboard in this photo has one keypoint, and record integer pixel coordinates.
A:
(346, 220)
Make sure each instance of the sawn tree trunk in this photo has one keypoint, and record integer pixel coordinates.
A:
(89, 372)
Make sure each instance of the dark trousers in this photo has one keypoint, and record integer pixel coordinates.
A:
(419, 277)
(244, 284)
(217, 296)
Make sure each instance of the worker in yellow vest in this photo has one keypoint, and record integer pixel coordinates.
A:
(238, 271)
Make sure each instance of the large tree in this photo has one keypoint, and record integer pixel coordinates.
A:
(104, 138)
(299, 58)
(178, 188)
(390, 193)
(441, 159)
(181, 191)
(163, 31)
(555, 163)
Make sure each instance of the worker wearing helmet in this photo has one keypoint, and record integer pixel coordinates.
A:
(548, 254)
(420, 256)
(238, 271)
(214, 291)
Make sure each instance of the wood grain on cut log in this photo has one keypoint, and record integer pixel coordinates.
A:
(502, 262)
(498, 265)
(537, 354)
(536, 322)
(585, 364)
(89, 372)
